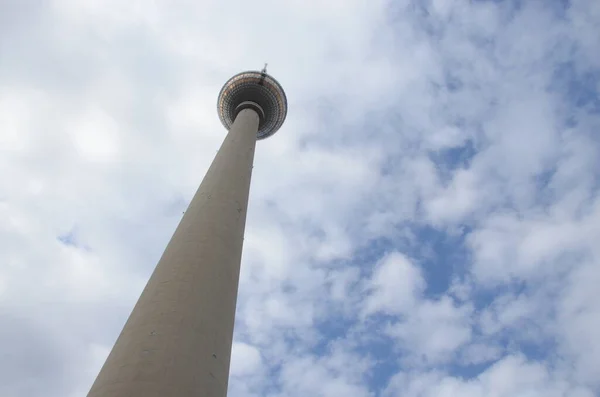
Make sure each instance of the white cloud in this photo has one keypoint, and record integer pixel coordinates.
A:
(396, 286)
(458, 200)
(479, 353)
(96, 136)
(433, 331)
(335, 374)
(245, 360)
(427, 331)
(512, 376)
(579, 320)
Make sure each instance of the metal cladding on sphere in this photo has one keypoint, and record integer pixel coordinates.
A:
(253, 87)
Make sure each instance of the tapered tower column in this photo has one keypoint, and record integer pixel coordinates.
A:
(177, 340)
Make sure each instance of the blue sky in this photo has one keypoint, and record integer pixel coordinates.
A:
(425, 224)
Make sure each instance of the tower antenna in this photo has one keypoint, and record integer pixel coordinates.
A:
(263, 75)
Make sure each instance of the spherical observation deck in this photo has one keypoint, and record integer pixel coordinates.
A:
(248, 89)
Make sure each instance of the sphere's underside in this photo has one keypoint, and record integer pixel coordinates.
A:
(256, 87)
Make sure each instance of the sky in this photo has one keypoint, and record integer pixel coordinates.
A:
(425, 223)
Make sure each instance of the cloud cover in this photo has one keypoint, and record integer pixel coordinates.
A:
(425, 224)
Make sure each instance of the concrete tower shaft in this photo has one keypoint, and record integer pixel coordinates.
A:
(177, 341)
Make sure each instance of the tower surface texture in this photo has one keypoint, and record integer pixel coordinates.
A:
(177, 340)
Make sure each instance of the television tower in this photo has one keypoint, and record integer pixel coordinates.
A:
(177, 340)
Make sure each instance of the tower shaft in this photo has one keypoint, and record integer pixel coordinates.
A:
(177, 340)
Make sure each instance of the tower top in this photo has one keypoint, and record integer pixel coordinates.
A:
(260, 89)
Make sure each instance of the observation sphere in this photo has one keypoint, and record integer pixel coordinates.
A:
(244, 90)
